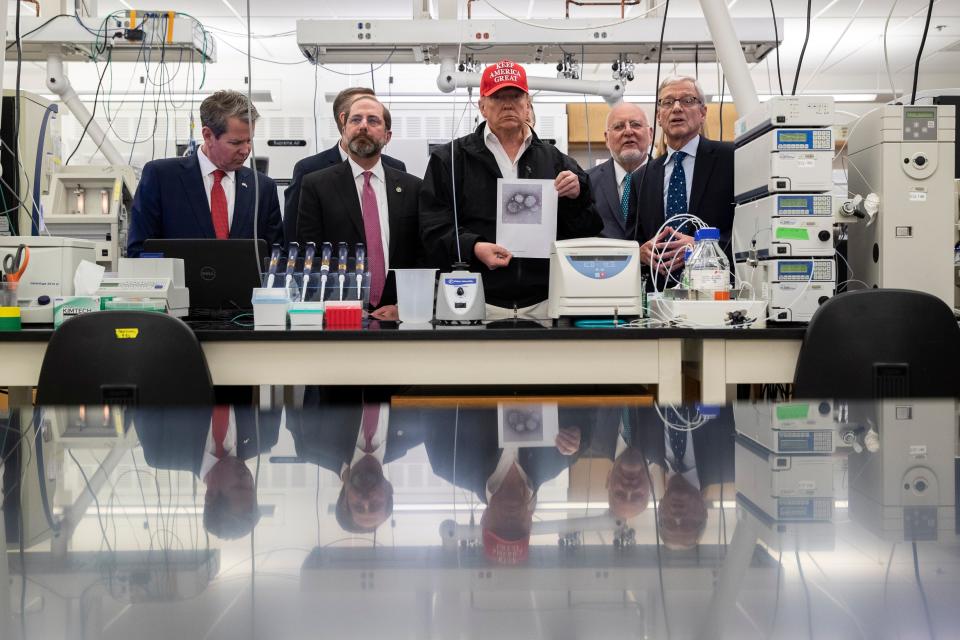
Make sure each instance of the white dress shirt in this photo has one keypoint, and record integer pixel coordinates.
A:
(689, 458)
(229, 183)
(379, 184)
(508, 458)
(379, 442)
(688, 162)
(508, 166)
(229, 446)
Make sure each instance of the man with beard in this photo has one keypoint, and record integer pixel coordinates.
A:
(628, 135)
(363, 200)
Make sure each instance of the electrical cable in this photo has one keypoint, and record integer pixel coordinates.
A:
(803, 50)
(923, 42)
(93, 112)
(923, 593)
(776, 37)
(656, 530)
(653, 133)
(886, 55)
(846, 28)
(806, 591)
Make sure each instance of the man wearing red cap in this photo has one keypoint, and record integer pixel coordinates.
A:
(502, 147)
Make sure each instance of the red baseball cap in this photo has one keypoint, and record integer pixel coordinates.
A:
(503, 74)
(503, 551)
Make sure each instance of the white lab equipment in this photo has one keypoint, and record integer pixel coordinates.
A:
(92, 202)
(595, 277)
(460, 297)
(905, 154)
(784, 160)
(800, 427)
(145, 279)
(707, 272)
(785, 111)
(793, 288)
(53, 262)
(783, 226)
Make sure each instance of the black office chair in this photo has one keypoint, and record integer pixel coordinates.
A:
(124, 357)
(880, 343)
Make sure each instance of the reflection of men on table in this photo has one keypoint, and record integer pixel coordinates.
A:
(355, 441)
(691, 463)
(502, 147)
(213, 444)
(464, 451)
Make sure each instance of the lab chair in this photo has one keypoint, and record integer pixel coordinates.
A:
(880, 343)
(124, 357)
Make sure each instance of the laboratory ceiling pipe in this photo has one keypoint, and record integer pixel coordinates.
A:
(59, 83)
(731, 56)
(612, 91)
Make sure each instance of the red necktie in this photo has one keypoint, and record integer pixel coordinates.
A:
(218, 207)
(221, 424)
(371, 227)
(371, 416)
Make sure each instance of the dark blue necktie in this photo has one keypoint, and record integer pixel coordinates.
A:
(678, 444)
(677, 189)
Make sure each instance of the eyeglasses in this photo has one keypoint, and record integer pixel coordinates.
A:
(619, 127)
(372, 121)
(686, 101)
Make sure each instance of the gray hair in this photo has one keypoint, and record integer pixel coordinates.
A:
(678, 79)
(219, 107)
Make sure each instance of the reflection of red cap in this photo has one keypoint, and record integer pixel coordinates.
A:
(504, 551)
(503, 74)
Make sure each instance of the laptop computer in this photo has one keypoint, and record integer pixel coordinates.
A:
(221, 274)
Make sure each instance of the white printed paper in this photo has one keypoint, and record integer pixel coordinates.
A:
(526, 217)
(528, 424)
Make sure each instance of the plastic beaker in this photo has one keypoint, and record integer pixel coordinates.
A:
(415, 289)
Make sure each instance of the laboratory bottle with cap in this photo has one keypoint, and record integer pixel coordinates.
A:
(708, 270)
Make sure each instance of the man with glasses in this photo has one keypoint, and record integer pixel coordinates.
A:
(466, 177)
(694, 175)
(364, 200)
(628, 135)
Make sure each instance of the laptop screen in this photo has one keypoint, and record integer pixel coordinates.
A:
(221, 274)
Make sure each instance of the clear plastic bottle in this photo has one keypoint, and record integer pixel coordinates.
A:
(708, 270)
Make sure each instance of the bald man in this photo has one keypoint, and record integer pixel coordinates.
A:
(627, 136)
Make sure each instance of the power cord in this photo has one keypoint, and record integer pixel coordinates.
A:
(923, 41)
(803, 50)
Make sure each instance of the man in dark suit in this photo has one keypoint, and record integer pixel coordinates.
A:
(334, 155)
(354, 441)
(213, 444)
(627, 136)
(694, 175)
(362, 200)
(211, 193)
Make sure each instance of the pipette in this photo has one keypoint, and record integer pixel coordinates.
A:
(342, 254)
(307, 268)
(326, 252)
(274, 261)
(292, 250)
(361, 258)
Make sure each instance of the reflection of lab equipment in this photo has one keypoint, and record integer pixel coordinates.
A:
(785, 487)
(144, 279)
(460, 297)
(906, 155)
(595, 277)
(53, 262)
(452, 533)
(794, 289)
(784, 160)
(786, 111)
(92, 203)
(39, 145)
(789, 428)
(906, 489)
(784, 225)
(27, 479)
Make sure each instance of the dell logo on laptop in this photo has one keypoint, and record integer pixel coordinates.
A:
(208, 273)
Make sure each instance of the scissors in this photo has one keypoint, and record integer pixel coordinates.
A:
(12, 267)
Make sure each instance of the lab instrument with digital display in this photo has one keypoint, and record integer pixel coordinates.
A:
(794, 288)
(783, 226)
(146, 279)
(49, 275)
(784, 160)
(595, 277)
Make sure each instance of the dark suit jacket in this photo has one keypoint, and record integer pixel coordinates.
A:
(174, 438)
(711, 195)
(328, 436)
(330, 212)
(322, 160)
(171, 202)
(606, 197)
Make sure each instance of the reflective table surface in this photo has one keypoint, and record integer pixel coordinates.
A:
(482, 519)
